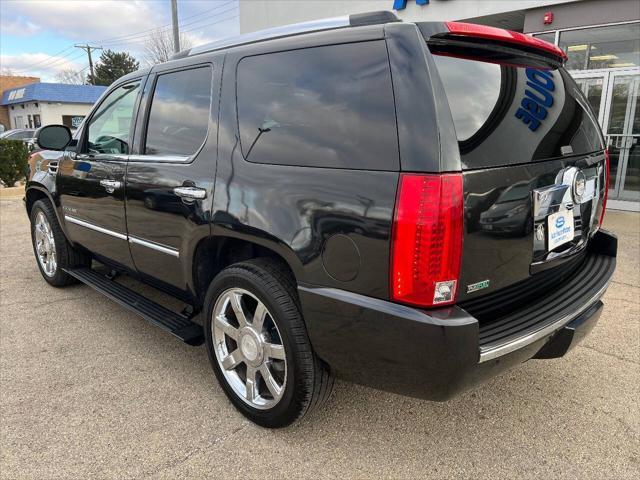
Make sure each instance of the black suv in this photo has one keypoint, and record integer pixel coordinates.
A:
(413, 207)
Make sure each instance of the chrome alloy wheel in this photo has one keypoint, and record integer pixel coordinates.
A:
(45, 245)
(249, 349)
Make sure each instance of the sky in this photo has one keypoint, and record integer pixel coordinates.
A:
(37, 37)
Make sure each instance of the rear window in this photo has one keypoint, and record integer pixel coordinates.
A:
(329, 106)
(505, 115)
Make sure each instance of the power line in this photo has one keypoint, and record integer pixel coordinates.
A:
(54, 62)
(162, 27)
(142, 38)
(131, 38)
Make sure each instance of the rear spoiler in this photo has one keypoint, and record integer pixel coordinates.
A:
(496, 45)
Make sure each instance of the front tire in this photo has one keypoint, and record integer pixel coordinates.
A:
(258, 345)
(52, 250)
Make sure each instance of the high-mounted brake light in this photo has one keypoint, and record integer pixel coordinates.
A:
(502, 35)
(426, 247)
(607, 172)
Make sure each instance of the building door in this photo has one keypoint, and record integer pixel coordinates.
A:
(622, 129)
(614, 97)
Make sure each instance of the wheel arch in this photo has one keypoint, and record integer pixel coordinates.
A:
(35, 192)
(215, 253)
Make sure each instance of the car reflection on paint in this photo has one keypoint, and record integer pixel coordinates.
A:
(511, 212)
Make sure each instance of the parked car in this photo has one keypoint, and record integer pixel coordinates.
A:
(26, 135)
(303, 191)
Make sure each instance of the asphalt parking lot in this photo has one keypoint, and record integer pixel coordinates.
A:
(89, 390)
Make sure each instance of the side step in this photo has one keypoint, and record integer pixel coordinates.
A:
(174, 323)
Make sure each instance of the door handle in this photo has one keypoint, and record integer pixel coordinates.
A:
(190, 193)
(110, 185)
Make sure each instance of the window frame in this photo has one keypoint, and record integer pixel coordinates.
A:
(149, 91)
(271, 51)
(83, 150)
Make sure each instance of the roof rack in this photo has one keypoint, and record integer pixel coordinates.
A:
(355, 20)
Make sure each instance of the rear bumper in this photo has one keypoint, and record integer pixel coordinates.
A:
(435, 354)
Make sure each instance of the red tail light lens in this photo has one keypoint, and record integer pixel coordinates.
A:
(427, 239)
(607, 172)
(502, 35)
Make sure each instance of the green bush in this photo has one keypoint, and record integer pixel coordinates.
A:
(13, 161)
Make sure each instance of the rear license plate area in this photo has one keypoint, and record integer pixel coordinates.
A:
(560, 229)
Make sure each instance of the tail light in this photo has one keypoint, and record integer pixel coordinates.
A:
(607, 172)
(427, 239)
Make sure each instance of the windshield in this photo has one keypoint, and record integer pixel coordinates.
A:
(506, 115)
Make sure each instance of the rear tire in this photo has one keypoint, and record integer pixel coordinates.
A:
(52, 250)
(264, 363)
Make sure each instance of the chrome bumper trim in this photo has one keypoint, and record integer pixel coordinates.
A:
(491, 353)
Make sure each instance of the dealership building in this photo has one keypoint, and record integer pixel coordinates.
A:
(600, 37)
(39, 103)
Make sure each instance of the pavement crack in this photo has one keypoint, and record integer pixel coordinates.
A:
(183, 459)
(618, 357)
(624, 283)
(43, 304)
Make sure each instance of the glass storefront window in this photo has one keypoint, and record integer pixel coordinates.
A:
(614, 46)
(592, 89)
(547, 36)
(623, 116)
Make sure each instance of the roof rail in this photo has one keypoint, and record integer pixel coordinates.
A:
(355, 20)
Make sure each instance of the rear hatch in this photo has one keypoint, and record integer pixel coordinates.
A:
(533, 163)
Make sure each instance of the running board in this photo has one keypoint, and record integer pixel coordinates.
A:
(174, 323)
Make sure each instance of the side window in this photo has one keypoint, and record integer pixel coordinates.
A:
(110, 126)
(328, 106)
(179, 114)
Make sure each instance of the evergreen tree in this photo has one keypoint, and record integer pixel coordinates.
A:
(111, 66)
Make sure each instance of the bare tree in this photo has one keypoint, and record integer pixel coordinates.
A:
(159, 46)
(70, 76)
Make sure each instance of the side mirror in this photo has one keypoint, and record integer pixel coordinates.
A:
(53, 137)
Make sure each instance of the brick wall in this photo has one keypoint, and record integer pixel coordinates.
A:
(8, 82)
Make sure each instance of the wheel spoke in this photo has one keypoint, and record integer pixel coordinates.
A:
(236, 304)
(251, 384)
(258, 317)
(229, 330)
(270, 381)
(273, 350)
(232, 360)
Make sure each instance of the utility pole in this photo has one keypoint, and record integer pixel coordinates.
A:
(88, 48)
(174, 21)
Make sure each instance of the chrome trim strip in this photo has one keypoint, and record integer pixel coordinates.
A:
(161, 158)
(154, 246)
(495, 352)
(96, 228)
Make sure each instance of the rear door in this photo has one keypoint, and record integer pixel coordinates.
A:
(169, 180)
(533, 163)
(91, 180)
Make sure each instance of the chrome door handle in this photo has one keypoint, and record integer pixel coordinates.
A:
(110, 185)
(191, 193)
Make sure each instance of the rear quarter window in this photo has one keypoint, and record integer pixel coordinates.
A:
(329, 106)
(179, 115)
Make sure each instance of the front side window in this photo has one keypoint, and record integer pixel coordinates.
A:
(329, 106)
(110, 126)
(179, 115)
